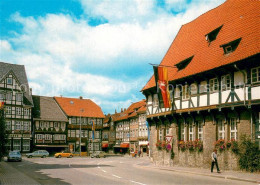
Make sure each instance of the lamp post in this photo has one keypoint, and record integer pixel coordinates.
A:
(81, 110)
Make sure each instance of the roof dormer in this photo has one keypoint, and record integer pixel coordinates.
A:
(213, 34)
(231, 46)
(181, 65)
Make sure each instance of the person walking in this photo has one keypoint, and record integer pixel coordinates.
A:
(214, 160)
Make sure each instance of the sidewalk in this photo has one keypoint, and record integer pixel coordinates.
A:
(10, 175)
(232, 175)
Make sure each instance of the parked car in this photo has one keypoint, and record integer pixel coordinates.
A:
(98, 154)
(38, 153)
(14, 156)
(63, 154)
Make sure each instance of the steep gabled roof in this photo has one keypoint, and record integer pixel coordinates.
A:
(73, 106)
(238, 18)
(46, 108)
(20, 74)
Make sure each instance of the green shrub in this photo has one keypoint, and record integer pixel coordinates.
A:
(249, 155)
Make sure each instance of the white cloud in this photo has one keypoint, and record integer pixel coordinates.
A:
(51, 46)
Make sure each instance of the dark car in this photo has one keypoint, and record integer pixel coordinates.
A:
(38, 153)
(14, 156)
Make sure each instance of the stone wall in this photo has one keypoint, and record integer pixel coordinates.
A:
(227, 159)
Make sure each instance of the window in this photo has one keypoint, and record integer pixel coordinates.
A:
(39, 136)
(182, 132)
(185, 92)
(9, 96)
(59, 137)
(17, 144)
(255, 75)
(96, 146)
(200, 130)
(155, 100)
(56, 125)
(26, 112)
(167, 131)
(193, 89)
(47, 137)
(96, 134)
(19, 97)
(26, 145)
(18, 111)
(177, 92)
(26, 126)
(90, 134)
(191, 132)
(221, 129)
(8, 125)
(213, 34)
(181, 65)
(17, 125)
(73, 120)
(213, 85)
(77, 133)
(9, 81)
(231, 46)
(2, 95)
(8, 110)
(225, 83)
(233, 129)
(73, 133)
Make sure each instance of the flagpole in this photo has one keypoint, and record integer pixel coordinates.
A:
(162, 65)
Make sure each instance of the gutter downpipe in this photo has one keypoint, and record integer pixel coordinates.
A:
(244, 87)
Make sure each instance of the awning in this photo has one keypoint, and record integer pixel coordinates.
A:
(124, 145)
(104, 145)
(52, 146)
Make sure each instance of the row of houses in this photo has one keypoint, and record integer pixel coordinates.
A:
(214, 80)
(61, 123)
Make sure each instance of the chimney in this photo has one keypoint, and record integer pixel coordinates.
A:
(121, 109)
(125, 109)
(80, 97)
(115, 111)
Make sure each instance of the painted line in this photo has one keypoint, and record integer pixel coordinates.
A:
(104, 171)
(138, 182)
(116, 176)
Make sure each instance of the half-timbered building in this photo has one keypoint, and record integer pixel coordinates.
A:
(82, 113)
(214, 81)
(16, 95)
(49, 125)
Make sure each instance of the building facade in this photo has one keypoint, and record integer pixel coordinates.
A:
(214, 87)
(16, 95)
(49, 125)
(82, 113)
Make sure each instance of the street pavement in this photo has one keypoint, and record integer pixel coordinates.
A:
(111, 170)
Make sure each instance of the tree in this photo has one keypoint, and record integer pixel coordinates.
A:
(3, 134)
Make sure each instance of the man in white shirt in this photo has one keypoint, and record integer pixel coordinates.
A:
(214, 160)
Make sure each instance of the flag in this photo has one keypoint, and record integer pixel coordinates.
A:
(161, 80)
(1, 104)
(93, 130)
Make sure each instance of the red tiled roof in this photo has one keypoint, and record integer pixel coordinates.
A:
(72, 107)
(240, 19)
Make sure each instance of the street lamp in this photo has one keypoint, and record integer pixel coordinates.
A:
(81, 110)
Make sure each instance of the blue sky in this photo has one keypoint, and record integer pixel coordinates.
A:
(95, 49)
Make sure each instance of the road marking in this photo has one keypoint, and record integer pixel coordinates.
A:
(138, 183)
(116, 176)
(104, 171)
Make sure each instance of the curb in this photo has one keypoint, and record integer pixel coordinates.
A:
(203, 174)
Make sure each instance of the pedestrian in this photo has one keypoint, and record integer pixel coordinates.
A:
(139, 153)
(214, 161)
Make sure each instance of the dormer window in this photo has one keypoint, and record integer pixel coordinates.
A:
(181, 65)
(231, 46)
(213, 34)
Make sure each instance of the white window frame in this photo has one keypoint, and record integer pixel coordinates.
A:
(39, 137)
(233, 128)
(8, 125)
(18, 97)
(185, 92)
(7, 81)
(26, 112)
(155, 100)
(47, 137)
(161, 134)
(225, 82)
(183, 132)
(26, 145)
(9, 96)
(8, 110)
(19, 111)
(257, 75)
(191, 131)
(200, 130)
(26, 126)
(221, 129)
(17, 146)
(18, 125)
(213, 85)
